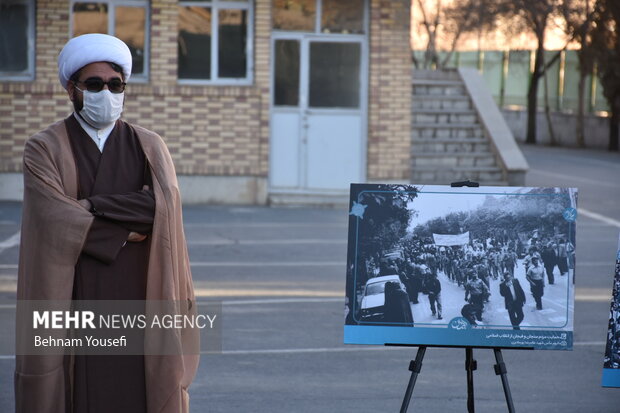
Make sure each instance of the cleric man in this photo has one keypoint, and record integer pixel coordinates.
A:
(102, 221)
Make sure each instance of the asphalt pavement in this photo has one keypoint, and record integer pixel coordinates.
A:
(280, 275)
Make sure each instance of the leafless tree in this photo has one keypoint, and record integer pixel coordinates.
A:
(535, 15)
(446, 24)
(552, 138)
(579, 15)
(606, 47)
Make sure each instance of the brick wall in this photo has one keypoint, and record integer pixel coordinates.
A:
(210, 130)
(390, 91)
(215, 130)
(26, 107)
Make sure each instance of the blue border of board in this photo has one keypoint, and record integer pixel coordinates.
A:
(611, 378)
(458, 332)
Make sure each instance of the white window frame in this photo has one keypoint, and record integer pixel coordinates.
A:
(28, 74)
(112, 4)
(318, 22)
(216, 6)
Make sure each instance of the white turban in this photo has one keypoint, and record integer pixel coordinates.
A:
(90, 48)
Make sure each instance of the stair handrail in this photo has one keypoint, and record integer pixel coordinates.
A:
(502, 140)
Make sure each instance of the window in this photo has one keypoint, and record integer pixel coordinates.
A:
(125, 19)
(17, 23)
(298, 15)
(336, 84)
(286, 74)
(325, 16)
(215, 42)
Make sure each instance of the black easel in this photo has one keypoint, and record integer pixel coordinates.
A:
(414, 367)
(500, 370)
(470, 365)
(467, 183)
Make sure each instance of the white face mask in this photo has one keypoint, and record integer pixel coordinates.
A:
(101, 109)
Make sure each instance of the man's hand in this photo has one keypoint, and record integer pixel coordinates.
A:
(135, 237)
(85, 203)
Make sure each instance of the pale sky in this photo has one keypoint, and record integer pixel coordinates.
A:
(431, 205)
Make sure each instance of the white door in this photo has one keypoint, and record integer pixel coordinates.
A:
(318, 122)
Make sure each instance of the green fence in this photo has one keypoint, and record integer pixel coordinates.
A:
(507, 74)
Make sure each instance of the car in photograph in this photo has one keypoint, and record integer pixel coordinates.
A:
(373, 298)
(393, 255)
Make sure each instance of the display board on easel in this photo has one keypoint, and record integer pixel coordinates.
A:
(468, 267)
(611, 366)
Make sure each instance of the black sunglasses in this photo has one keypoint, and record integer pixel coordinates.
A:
(96, 84)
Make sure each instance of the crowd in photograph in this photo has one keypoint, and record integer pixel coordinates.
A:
(418, 261)
(612, 352)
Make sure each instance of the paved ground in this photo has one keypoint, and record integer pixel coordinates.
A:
(280, 274)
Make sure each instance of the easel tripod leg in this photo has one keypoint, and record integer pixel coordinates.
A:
(470, 366)
(500, 370)
(414, 367)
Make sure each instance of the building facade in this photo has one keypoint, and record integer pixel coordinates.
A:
(255, 99)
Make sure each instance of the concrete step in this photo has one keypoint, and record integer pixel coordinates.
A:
(446, 175)
(441, 125)
(461, 168)
(446, 74)
(444, 116)
(442, 160)
(446, 180)
(436, 82)
(450, 140)
(422, 96)
(438, 88)
(448, 102)
(431, 154)
(442, 111)
(446, 130)
(450, 145)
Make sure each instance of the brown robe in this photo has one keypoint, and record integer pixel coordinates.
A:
(109, 268)
(56, 234)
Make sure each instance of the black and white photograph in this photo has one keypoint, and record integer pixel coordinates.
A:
(429, 256)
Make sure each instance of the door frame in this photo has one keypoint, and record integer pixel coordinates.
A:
(305, 39)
